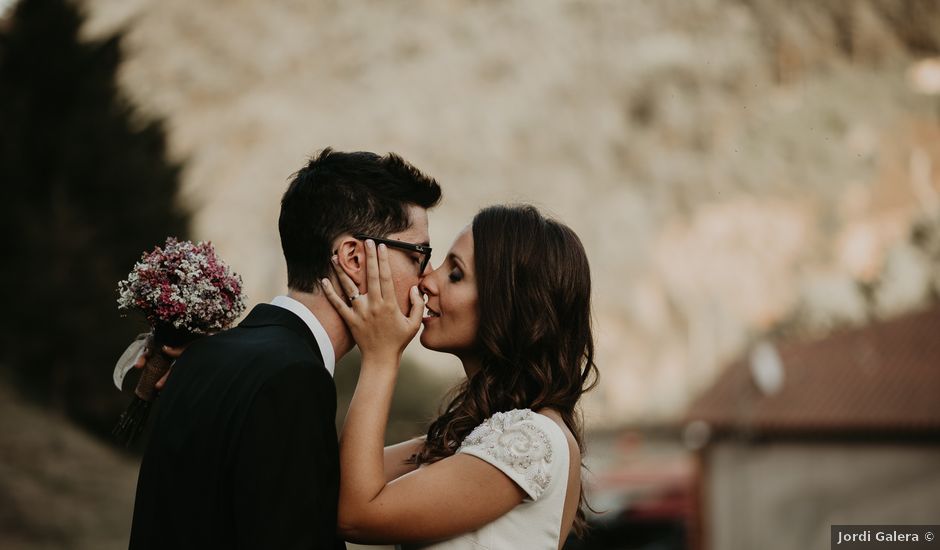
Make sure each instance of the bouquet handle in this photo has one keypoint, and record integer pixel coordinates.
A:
(134, 418)
(157, 365)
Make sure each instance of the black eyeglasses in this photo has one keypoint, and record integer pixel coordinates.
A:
(424, 250)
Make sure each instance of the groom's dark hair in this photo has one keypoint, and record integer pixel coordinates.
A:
(338, 193)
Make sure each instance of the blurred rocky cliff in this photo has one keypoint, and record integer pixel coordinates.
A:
(734, 167)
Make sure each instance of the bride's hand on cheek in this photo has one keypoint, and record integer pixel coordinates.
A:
(374, 318)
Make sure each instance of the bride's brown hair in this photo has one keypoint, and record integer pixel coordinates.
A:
(535, 339)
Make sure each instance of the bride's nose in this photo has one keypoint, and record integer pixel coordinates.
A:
(427, 284)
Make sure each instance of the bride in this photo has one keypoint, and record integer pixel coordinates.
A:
(501, 466)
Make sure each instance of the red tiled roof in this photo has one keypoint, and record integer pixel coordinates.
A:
(883, 378)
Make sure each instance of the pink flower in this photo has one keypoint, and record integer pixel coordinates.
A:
(184, 285)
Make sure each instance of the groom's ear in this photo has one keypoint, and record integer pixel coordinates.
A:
(351, 256)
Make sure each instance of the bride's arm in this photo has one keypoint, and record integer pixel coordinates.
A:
(397, 456)
(381, 332)
(362, 456)
(452, 496)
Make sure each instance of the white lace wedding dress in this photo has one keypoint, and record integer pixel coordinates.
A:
(532, 450)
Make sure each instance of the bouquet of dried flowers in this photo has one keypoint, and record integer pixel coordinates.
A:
(185, 291)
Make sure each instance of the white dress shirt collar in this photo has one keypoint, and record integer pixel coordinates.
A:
(323, 340)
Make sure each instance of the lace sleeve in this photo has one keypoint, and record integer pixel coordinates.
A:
(514, 443)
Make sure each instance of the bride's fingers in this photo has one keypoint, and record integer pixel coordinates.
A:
(385, 273)
(347, 285)
(338, 303)
(417, 309)
(372, 270)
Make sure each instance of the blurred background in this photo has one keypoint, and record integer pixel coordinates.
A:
(757, 184)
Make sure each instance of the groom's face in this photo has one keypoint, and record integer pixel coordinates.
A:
(404, 265)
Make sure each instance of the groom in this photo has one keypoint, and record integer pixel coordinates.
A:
(243, 450)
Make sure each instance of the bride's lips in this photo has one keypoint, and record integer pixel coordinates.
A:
(431, 314)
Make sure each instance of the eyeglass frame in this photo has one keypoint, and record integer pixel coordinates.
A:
(425, 250)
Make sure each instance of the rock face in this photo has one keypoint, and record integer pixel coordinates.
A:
(59, 487)
(730, 166)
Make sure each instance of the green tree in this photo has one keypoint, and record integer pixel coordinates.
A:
(87, 188)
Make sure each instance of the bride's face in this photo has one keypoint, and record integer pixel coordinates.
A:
(451, 322)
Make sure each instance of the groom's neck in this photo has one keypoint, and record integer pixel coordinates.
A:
(335, 328)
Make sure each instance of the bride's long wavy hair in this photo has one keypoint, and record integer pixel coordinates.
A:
(535, 338)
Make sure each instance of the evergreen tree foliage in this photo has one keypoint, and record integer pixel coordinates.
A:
(87, 188)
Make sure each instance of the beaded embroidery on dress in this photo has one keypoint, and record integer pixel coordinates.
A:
(515, 440)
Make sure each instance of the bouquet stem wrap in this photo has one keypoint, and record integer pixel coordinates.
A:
(134, 418)
(157, 365)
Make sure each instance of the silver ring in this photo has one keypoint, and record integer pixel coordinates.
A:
(351, 298)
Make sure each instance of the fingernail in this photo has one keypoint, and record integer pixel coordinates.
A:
(334, 259)
(370, 243)
(382, 246)
(325, 281)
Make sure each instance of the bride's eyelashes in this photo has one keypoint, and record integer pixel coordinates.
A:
(456, 275)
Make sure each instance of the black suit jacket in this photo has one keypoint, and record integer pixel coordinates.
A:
(243, 450)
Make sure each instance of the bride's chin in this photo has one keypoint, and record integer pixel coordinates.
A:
(429, 341)
(425, 341)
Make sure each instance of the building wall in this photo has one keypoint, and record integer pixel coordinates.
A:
(786, 495)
